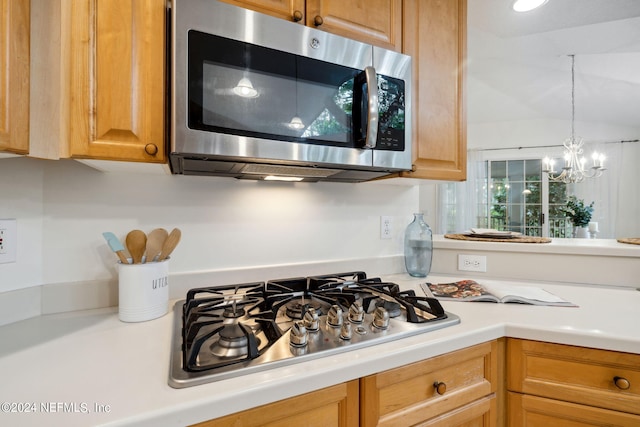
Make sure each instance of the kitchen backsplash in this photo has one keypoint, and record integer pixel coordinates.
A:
(62, 207)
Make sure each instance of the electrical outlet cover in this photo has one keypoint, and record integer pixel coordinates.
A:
(477, 263)
(8, 240)
(386, 227)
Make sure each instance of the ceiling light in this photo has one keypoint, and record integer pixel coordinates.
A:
(527, 5)
(245, 89)
(296, 123)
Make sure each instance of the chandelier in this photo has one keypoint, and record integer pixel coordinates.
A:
(575, 167)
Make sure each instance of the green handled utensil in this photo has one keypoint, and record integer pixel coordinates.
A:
(116, 246)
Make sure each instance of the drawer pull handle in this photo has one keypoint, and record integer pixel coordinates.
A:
(151, 149)
(622, 383)
(441, 388)
(317, 21)
(297, 16)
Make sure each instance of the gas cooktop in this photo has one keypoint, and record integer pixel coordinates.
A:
(227, 331)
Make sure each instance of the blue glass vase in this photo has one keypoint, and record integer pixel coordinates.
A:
(418, 247)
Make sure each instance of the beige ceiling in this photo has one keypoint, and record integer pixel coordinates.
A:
(519, 69)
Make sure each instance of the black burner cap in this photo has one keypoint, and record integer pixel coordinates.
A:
(233, 312)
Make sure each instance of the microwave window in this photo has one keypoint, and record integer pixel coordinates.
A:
(244, 89)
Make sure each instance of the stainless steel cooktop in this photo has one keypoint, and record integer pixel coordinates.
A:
(224, 332)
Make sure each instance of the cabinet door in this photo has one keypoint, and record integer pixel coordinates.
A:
(533, 411)
(435, 36)
(593, 377)
(423, 392)
(117, 80)
(14, 75)
(378, 22)
(331, 406)
(291, 10)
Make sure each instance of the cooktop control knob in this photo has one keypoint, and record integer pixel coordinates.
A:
(356, 313)
(345, 331)
(334, 317)
(311, 320)
(298, 335)
(381, 318)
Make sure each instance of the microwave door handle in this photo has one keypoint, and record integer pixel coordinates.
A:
(369, 136)
(372, 107)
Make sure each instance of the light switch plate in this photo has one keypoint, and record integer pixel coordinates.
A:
(8, 240)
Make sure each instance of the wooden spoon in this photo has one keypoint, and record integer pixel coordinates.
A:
(136, 243)
(170, 244)
(155, 241)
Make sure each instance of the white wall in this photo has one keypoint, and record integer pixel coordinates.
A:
(62, 208)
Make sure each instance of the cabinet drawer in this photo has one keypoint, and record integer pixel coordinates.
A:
(407, 395)
(575, 374)
(532, 411)
(480, 413)
(331, 406)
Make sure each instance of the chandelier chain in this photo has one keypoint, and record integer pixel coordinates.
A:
(573, 97)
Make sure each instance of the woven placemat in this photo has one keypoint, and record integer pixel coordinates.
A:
(523, 239)
(630, 240)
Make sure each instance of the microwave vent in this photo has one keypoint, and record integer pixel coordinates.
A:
(305, 172)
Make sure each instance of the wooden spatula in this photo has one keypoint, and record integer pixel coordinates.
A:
(155, 241)
(136, 244)
(170, 244)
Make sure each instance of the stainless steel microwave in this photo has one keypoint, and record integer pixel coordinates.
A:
(258, 97)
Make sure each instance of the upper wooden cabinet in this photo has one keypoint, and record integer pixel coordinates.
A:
(108, 89)
(435, 36)
(14, 75)
(378, 22)
(291, 10)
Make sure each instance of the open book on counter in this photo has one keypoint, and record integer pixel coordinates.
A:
(470, 290)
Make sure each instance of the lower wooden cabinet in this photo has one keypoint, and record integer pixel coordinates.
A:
(533, 411)
(562, 385)
(331, 406)
(455, 389)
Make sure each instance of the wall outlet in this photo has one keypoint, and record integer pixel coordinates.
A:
(472, 263)
(386, 227)
(8, 240)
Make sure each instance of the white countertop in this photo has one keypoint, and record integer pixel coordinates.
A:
(95, 370)
(596, 247)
